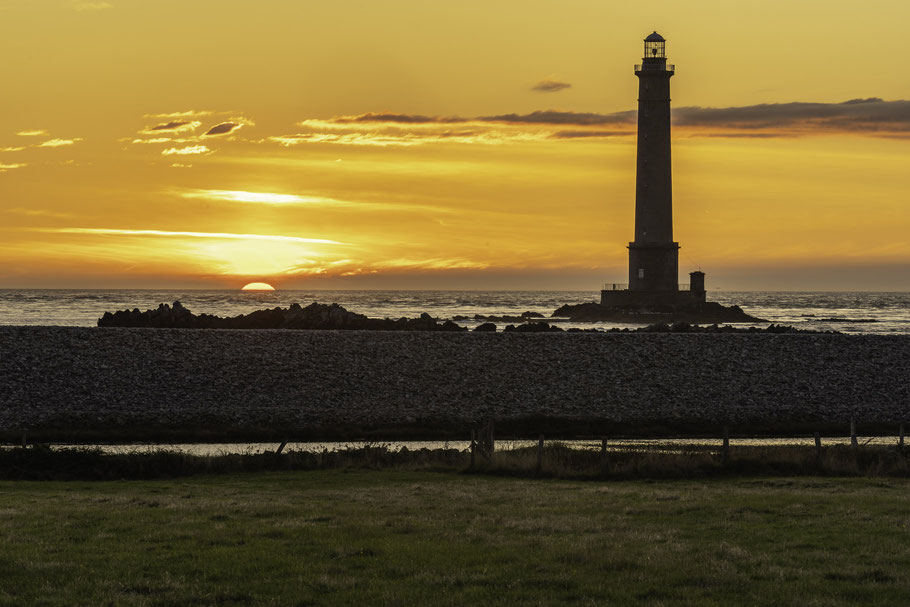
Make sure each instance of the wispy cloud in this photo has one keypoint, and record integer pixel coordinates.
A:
(870, 117)
(174, 126)
(392, 129)
(153, 140)
(182, 234)
(550, 86)
(8, 167)
(32, 133)
(186, 151)
(13, 149)
(56, 143)
(258, 197)
(273, 198)
(186, 114)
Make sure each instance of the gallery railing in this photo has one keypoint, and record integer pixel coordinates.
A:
(618, 286)
(656, 67)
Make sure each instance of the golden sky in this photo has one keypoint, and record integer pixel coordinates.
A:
(421, 144)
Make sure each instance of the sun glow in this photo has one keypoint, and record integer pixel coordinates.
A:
(258, 286)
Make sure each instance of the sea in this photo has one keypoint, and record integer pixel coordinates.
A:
(885, 313)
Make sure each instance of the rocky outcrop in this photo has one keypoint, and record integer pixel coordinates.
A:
(707, 312)
(313, 316)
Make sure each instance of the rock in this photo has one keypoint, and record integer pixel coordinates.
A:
(314, 316)
(486, 327)
(696, 313)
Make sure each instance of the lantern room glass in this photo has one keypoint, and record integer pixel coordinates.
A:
(655, 50)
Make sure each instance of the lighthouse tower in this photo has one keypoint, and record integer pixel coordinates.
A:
(653, 256)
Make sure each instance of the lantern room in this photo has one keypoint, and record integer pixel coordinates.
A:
(655, 47)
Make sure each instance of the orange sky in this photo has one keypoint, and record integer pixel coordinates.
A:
(410, 144)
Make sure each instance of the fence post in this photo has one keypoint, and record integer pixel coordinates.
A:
(539, 453)
(818, 445)
(281, 447)
(24, 438)
(853, 441)
(603, 455)
(725, 452)
(900, 438)
(473, 449)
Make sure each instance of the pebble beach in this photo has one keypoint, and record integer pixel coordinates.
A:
(328, 383)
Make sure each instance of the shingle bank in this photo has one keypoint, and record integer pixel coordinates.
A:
(132, 383)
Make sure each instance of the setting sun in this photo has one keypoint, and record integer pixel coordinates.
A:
(258, 286)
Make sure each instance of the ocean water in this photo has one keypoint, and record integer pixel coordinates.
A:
(848, 312)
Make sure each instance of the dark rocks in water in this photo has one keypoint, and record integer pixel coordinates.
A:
(313, 316)
(532, 327)
(707, 312)
(486, 327)
(523, 317)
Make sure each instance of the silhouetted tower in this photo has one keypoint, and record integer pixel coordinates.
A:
(653, 256)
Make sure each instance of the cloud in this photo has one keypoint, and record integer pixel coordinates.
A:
(56, 143)
(91, 6)
(550, 117)
(13, 149)
(229, 126)
(180, 115)
(869, 116)
(555, 117)
(310, 200)
(371, 117)
(223, 129)
(32, 133)
(176, 126)
(258, 197)
(8, 167)
(181, 234)
(400, 139)
(550, 86)
(153, 140)
(588, 134)
(186, 151)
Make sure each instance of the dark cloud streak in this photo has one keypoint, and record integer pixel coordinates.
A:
(550, 86)
(223, 129)
(169, 126)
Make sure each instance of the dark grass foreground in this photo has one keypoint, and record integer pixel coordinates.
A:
(356, 537)
(555, 460)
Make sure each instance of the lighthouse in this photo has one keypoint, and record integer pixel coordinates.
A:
(653, 254)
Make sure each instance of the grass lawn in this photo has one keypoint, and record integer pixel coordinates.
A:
(409, 538)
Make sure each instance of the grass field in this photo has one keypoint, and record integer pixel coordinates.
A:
(361, 537)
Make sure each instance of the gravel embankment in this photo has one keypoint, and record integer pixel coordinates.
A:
(129, 381)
